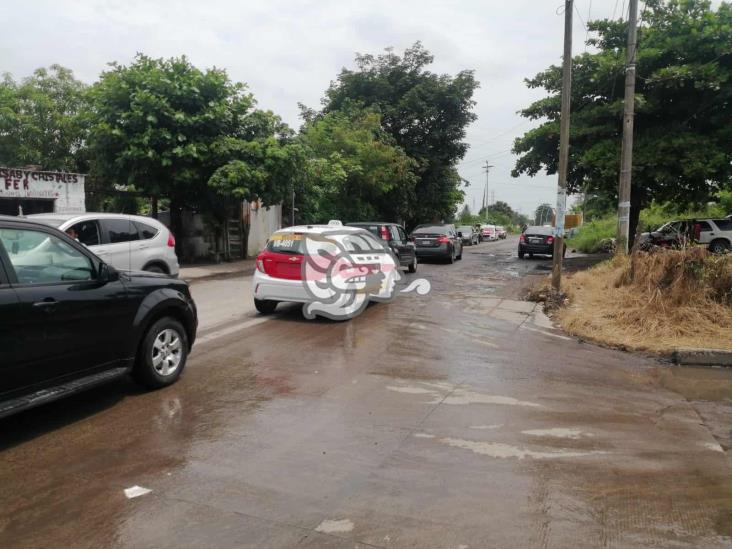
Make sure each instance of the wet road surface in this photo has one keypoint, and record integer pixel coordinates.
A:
(456, 419)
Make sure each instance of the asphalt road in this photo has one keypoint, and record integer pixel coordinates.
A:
(455, 419)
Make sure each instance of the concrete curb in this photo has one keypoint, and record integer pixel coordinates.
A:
(702, 357)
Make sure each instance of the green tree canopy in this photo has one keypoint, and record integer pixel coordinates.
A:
(683, 138)
(354, 169)
(191, 135)
(425, 113)
(41, 120)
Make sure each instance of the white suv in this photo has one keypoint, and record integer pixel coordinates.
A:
(127, 242)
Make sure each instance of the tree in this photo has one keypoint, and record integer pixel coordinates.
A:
(41, 120)
(544, 214)
(425, 113)
(465, 216)
(194, 136)
(354, 169)
(683, 139)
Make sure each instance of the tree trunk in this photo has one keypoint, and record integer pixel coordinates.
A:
(154, 207)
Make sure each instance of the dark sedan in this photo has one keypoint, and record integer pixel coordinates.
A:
(438, 241)
(537, 240)
(70, 321)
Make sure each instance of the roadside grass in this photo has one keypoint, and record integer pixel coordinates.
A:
(592, 233)
(653, 301)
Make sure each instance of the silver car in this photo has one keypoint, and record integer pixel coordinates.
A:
(127, 242)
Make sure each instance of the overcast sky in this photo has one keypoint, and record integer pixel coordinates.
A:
(288, 51)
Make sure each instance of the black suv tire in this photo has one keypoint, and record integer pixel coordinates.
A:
(168, 339)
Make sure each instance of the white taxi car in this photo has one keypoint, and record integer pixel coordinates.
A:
(334, 270)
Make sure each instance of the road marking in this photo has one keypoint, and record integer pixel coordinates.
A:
(501, 450)
(335, 526)
(231, 330)
(546, 333)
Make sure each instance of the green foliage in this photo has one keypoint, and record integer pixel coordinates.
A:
(354, 170)
(543, 215)
(651, 218)
(172, 129)
(41, 120)
(426, 114)
(683, 139)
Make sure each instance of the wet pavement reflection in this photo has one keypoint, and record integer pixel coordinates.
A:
(460, 418)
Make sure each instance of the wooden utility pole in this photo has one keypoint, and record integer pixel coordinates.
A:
(487, 169)
(626, 160)
(563, 148)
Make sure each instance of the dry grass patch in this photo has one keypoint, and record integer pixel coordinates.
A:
(653, 301)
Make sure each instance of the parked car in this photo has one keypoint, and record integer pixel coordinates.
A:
(537, 240)
(438, 241)
(469, 236)
(70, 321)
(489, 232)
(323, 265)
(501, 232)
(126, 242)
(396, 238)
(716, 234)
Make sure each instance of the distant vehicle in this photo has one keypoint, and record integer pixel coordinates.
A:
(343, 261)
(126, 242)
(396, 238)
(469, 236)
(501, 232)
(438, 241)
(716, 234)
(70, 321)
(537, 240)
(489, 232)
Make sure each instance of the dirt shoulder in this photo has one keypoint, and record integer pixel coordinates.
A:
(654, 302)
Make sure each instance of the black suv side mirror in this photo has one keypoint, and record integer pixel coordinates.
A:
(107, 273)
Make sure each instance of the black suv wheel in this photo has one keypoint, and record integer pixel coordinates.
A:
(162, 355)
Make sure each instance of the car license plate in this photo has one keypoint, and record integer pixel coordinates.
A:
(424, 242)
(535, 240)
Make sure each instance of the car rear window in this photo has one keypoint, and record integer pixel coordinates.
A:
(374, 229)
(146, 231)
(286, 243)
(724, 224)
(433, 229)
(540, 230)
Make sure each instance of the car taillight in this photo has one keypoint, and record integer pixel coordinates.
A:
(384, 233)
(171, 240)
(522, 238)
(550, 240)
(260, 264)
(443, 240)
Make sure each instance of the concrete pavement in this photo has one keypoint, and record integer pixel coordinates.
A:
(456, 419)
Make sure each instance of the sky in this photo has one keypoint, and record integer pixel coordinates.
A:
(288, 52)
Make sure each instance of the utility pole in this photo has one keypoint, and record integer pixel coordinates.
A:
(626, 159)
(563, 148)
(292, 224)
(487, 169)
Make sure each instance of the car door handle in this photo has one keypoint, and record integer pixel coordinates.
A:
(47, 304)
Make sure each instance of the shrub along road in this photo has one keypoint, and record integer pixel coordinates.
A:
(456, 418)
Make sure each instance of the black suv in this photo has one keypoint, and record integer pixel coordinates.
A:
(396, 238)
(69, 321)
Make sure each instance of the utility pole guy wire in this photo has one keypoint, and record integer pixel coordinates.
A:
(563, 148)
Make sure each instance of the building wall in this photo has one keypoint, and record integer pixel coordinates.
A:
(262, 222)
(65, 189)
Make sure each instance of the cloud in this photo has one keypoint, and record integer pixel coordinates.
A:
(289, 51)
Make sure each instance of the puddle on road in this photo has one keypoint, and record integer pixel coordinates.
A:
(698, 383)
